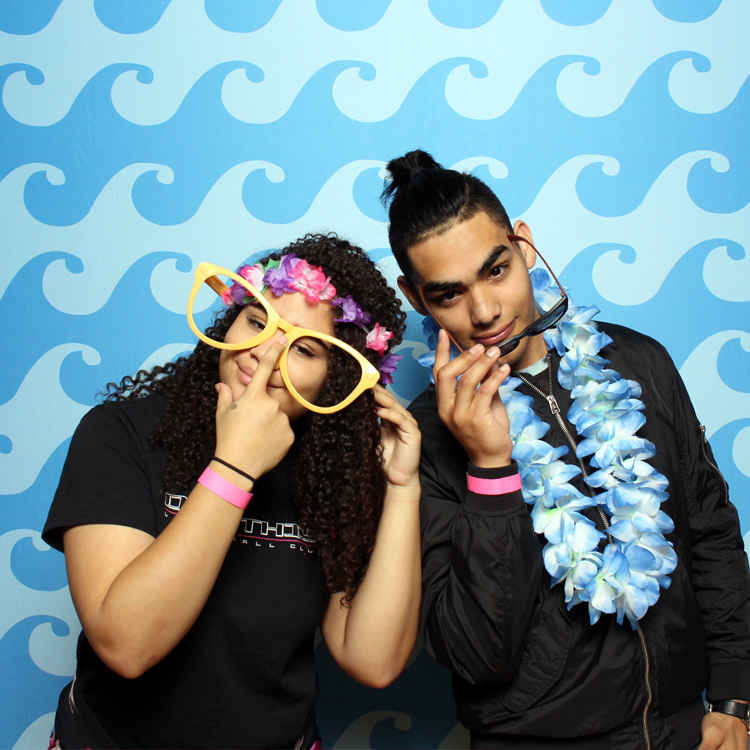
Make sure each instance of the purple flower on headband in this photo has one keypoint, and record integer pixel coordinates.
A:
(387, 366)
(351, 312)
(237, 292)
(288, 262)
(279, 275)
(278, 281)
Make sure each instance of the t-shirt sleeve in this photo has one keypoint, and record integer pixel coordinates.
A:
(106, 477)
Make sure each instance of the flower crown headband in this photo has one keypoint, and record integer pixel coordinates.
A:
(292, 274)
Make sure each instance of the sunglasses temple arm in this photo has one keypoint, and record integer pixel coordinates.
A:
(217, 284)
(518, 238)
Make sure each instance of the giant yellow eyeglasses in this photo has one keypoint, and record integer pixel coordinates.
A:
(308, 355)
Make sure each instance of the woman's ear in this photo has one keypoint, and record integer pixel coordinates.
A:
(521, 228)
(411, 294)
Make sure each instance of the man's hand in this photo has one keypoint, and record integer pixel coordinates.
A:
(470, 407)
(723, 732)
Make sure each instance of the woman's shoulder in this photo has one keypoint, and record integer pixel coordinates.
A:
(141, 415)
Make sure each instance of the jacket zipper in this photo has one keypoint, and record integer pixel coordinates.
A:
(555, 409)
(704, 440)
(649, 694)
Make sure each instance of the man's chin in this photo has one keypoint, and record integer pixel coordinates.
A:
(526, 355)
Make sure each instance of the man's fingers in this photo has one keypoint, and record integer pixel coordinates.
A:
(487, 391)
(473, 378)
(266, 366)
(446, 377)
(442, 352)
(458, 366)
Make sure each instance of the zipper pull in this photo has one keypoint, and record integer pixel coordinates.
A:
(703, 432)
(553, 404)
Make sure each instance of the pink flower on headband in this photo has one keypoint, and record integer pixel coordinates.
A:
(311, 281)
(378, 338)
(254, 274)
(236, 294)
(351, 312)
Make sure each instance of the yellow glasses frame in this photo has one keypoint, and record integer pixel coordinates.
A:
(208, 273)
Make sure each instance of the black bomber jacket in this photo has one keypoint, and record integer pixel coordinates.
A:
(522, 663)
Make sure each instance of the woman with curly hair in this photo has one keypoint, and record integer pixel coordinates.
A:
(199, 606)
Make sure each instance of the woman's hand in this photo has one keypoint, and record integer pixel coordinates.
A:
(401, 440)
(252, 432)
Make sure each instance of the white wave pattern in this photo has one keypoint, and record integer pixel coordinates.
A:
(716, 404)
(297, 43)
(222, 221)
(39, 418)
(612, 44)
(51, 653)
(661, 229)
(38, 732)
(727, 278)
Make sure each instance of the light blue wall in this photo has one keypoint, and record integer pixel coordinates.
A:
(139, 138)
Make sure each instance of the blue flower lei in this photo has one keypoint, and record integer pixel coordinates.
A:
(626, 577)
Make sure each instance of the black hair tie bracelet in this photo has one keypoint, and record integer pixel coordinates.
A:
(234, 468)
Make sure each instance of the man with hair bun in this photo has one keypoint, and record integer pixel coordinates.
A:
(584, 576)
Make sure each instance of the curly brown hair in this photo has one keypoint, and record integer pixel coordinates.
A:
(339, 482)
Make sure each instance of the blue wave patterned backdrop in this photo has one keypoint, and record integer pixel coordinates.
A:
(140, 138)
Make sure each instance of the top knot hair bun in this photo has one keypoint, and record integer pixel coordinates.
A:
(426, 199)
(405, 169)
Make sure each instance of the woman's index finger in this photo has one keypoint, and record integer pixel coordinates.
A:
(266, 365)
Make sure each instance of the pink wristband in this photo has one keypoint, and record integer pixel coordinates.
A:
(501, 486)
(224, 488)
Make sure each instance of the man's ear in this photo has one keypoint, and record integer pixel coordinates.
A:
(521, 228)
(411, 294)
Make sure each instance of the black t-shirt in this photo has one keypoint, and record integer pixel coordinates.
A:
(244, 675)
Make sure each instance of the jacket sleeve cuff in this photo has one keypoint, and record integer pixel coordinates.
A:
(729, 680)
(495, 489)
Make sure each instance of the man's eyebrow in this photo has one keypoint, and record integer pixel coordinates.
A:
(489, 261)
(492, 257)
(441, 286)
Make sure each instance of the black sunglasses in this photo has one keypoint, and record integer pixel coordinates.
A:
(541, 324)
